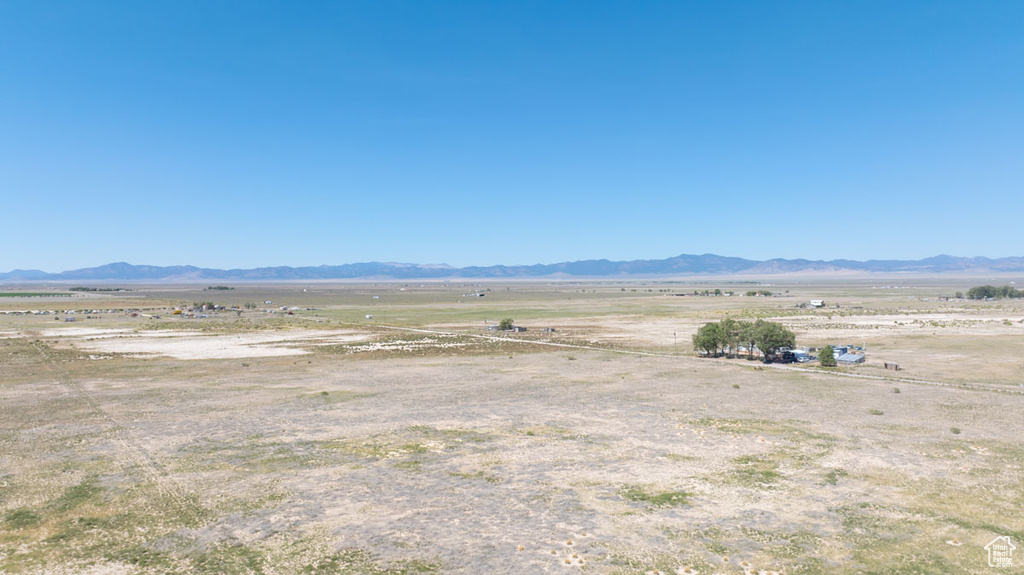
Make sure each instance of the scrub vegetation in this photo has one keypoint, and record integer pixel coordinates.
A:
(597, 440)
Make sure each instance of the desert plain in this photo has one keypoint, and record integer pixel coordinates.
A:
(383, 428)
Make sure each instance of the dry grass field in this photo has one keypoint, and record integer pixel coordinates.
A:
(418, 441)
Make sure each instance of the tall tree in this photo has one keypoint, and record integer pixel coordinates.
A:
(708, 338)
(730, 331)
(770, 336)
(986, 292)
(981, 292)
(747, 337)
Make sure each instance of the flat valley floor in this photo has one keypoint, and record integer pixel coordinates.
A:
(327, 442)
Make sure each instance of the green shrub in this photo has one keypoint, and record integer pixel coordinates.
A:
(827, 356)
(665, 499)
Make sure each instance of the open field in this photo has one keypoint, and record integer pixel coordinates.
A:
(418, 441)
(30, 294)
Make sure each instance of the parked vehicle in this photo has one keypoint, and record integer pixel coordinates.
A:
(784, 357)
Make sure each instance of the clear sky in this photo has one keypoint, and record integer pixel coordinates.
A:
(245, 134)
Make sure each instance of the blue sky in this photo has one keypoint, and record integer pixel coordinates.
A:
(245, 134)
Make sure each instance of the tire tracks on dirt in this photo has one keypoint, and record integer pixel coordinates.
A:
(129, 446)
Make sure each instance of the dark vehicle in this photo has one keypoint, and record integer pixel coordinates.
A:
(784, 357)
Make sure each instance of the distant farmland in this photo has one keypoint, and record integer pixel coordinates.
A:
(34, 294)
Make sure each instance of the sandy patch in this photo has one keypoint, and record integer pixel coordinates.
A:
(82, 332)
(627, 330)
(192, 345)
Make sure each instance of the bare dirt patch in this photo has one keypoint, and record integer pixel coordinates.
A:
(498, 464)
(199, 345)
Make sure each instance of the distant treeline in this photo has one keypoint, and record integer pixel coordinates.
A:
(993, 292)
(97, 289)
(219, 288)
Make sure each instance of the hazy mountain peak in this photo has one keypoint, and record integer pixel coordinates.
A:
(683, 264)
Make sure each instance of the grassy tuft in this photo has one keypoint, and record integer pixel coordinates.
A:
(653, 499)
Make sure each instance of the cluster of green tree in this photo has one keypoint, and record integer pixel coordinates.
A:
(729, 334)
(715, 291)
(203, 305)
(219, 288)
(250, 305)
(506, 324)
(827, 356)
(97, 289)
(993, 292)
(763, 292)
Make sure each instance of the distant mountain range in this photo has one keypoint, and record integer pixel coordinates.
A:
(682, 265)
